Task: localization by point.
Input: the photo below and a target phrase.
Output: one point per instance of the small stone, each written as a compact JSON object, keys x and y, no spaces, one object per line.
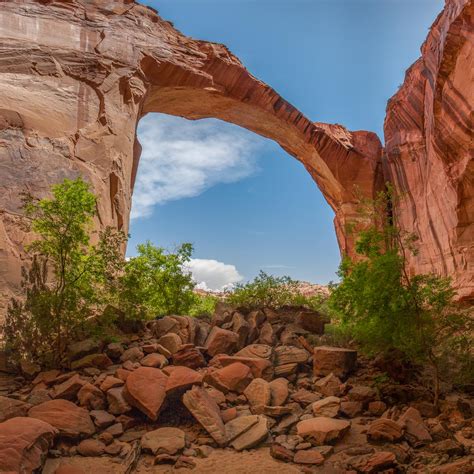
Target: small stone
{"x":323,"y":430}
{"x":384,"y":429}
{"x":117,"y":403}
{"x":258,"y":394}
{"x":281,"y":453}
{"x":326,"y":407}
{"x":101,"y":418}
{"x":115,"y":430}
{"x":134,"y":354}
{"x":154,"y":360}
{"x":171,"y":342}
{"x":91,"y":447}
{"x":309,"y":457}
{"x":164,"y":441}
{"x":377,"y":408}
{"x":110,"y":382}
{"x":279,"y":391}
{"x":253,"y":436}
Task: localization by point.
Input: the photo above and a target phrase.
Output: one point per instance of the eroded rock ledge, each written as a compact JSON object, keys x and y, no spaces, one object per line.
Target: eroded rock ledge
{"x":76,"y":79}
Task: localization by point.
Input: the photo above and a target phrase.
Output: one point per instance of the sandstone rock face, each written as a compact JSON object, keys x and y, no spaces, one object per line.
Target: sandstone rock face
{"x":428,"y":149}
{"x":76,"y":79}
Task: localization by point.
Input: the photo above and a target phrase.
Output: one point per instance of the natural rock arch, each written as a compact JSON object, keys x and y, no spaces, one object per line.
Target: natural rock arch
{"x":75,"y":78}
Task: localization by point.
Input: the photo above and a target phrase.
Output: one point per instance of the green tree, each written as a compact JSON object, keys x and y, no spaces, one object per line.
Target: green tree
{"x":384,"y":307}
{"x":156,"y":282}
{"x":57,"y":306}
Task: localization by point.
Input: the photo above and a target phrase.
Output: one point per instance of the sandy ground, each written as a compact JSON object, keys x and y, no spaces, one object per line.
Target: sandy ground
{"x":220,"y":461}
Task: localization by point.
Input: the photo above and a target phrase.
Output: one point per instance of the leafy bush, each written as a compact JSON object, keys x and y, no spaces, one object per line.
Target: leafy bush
{"x":204,"y":306}
{"x":156,"y":283}
{"x":268,"y":291}
{"x":55,"y":307}
{"x":385,"y":308}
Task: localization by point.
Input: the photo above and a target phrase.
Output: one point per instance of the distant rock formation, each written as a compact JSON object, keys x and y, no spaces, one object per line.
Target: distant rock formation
{"x":76,"y":77}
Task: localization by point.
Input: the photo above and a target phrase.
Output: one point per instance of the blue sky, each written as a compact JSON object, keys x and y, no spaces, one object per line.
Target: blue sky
{"x":241,"y":200}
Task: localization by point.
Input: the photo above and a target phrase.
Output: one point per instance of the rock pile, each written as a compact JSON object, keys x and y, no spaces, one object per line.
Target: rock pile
{"x":184,"y":387}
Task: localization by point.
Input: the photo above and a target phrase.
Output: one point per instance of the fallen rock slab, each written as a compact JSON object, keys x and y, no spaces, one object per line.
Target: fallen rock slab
{"x":204,"y":408}
{"x":323,"y":430}
{"x":164,"y":441}
{"x":70,"y":420}
{"x":24,"y":444}
{"x":253,"y":436}
{"x":240,"y":425}
{"x":145,"y":389}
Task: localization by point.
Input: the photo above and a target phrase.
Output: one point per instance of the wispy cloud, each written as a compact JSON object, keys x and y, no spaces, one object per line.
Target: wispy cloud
{"x":212,"y":274}
{"x":182,"y":159}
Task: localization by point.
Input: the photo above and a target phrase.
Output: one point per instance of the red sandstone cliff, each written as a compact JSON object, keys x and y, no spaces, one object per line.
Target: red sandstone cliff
{"x":76,"y":77}
{"x":429,"y":148}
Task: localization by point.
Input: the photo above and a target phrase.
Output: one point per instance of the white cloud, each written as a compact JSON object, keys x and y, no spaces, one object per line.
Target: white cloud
{"x":183,"y":158}
{"x":213,"y":275}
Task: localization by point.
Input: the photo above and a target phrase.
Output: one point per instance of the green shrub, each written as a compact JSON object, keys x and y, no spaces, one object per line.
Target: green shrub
{"x":204,"y":306}
{"x":55,"y":308}
{"x":268,"y":291}
{"x":156,"y":283}
{"x":385,"y":308}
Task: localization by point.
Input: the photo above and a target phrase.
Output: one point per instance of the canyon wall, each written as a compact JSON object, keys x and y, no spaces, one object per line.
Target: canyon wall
{"x":429,"y":149}
{"x":75,"y":79}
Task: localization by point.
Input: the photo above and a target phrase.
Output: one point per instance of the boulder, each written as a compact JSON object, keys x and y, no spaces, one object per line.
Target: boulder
{"x":262,"y":351}
{"x":11,"y":408}
{"x":79,"y":349}
{"x":154,"y":360}
{"x":239,"y":425}
{"x":258,"y":394}
{"x":267,"y":335}
{"x":328,"y":407}
{"x":91,"y":447}
{"x":69,"y":388}
{"x":279,"y":391}
{"x":145,"y":389}
{"x":330,"y":386}
{"x":261,"y":368}
{"x":384,"y":429}
{"x":164,"y":441}
{"x":91,"y":397}
{"x":221,"y":341}
{"x":134,"y":354}
{"x":326,"y":360}
{"x":312,"y":321}
{"x":24,"y":444}
{"x":118,"y":405}
{"x":362,"y":393}
{"x":241,"y":327}
{"x":415,"y":430}
{"x":114,"y":350}
{"x":323,"y":430}
{"x":70,"y":420}
{"x":351,"y":409}
{"x":251,"y":437}
{"x":101,"y":418}
{"x":232,"y":378}
{"x":171,"y":342}
{"x":181,"y":378}
{"x":204,"y":408}
{"x":111,"y":382}
{"x":101,"y":361}
{"x":189,"y":357}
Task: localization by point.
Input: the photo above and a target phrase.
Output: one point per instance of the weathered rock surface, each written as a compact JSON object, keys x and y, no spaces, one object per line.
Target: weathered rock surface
{"x":24,"y":444}
{"x":428,"y":149}
{"x":94,"y":92}
{"x":145,"y":389}
{"x":323,"y":430}
{"x":71,"y":420}
{"x":164,"y":441}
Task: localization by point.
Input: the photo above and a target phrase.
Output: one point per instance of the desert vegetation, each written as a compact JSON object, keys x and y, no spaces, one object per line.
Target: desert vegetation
{"x":123,"y":338}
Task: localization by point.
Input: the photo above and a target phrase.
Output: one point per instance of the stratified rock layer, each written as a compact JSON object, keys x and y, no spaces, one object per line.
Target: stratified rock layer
{"x":76,"y":77}
{"x":429,"y":149}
